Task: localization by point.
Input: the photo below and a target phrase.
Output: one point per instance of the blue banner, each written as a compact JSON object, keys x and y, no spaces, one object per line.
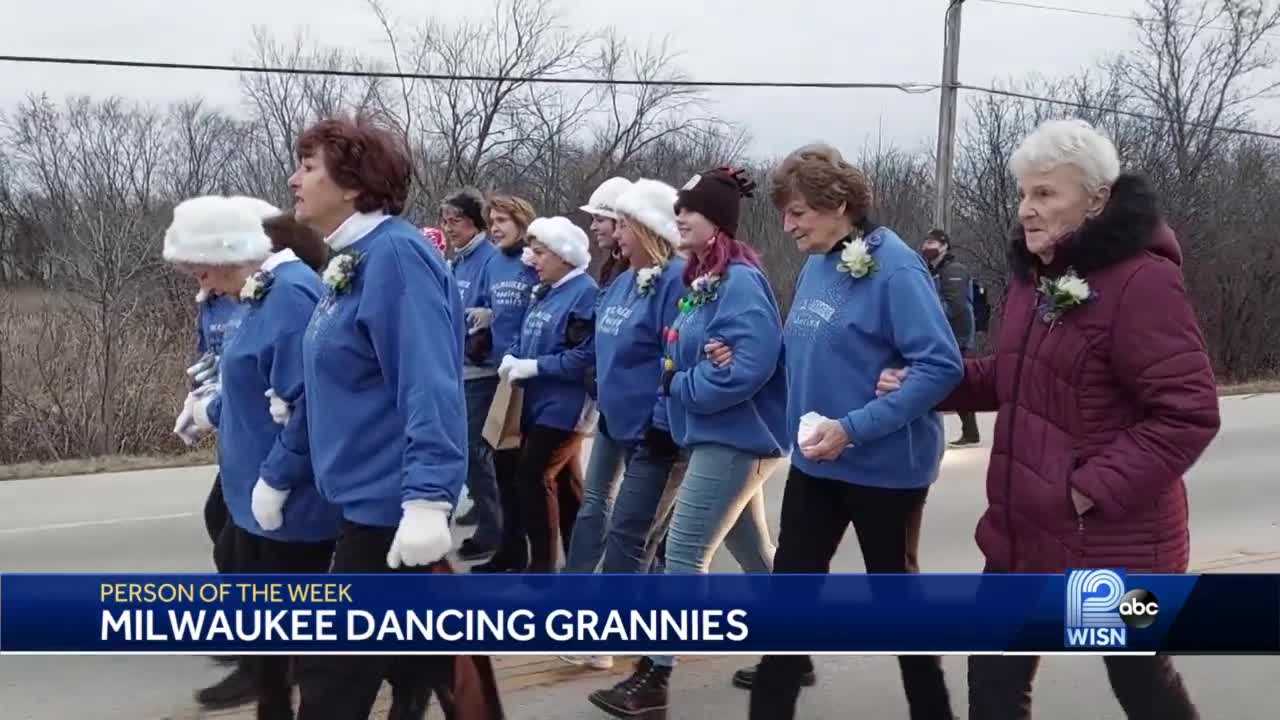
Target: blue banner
{"x":1085,"y":611}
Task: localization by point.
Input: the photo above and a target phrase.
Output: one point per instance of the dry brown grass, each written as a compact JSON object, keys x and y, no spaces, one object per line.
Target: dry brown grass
{"x":109,"y":464}
{"x":1256,"y":387}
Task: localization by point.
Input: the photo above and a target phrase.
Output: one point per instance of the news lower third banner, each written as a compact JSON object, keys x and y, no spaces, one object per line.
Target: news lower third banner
{"x":1090,"y":611}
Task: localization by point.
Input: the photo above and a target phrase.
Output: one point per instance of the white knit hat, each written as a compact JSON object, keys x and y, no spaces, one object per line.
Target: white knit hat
{"x":563,"y":238}
{"x":216,"y":230}
{"x":603,"y":200}
{"x":262,"y":208}
{"x":652,"y":204}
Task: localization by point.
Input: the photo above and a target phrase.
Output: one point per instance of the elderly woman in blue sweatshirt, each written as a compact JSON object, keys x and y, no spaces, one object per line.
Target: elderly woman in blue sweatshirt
{"x":731,"y":419}
{"x":280,"y":523}
{"x":382,"y":360}
{"x":864,"y":301}
{"x":550,"y":363}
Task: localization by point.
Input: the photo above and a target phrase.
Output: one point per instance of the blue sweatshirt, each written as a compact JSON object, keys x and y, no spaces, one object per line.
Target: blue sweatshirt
{"x":629,"y":345}
{"x":509,"y":284}
{"x":383,"y":362}
{"x":744,"y":404}
{"x":841,"y":332}
{"x":266,"y":353}
{"x":555,"y":397}
{"x":218,"y":316}
{"x":471,"y":271}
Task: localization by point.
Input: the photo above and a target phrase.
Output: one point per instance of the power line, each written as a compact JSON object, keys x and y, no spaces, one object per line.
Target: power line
{"x":1112,"y":16}
{"x":1117,"y":111}
{"x":907,"y":87}
{"x":914,"y":88}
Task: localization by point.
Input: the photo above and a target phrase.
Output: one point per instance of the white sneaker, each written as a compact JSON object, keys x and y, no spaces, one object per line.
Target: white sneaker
{"x":595,"y":662}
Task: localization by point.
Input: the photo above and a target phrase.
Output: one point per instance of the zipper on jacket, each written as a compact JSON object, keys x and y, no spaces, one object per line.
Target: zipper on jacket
{"x":1013,"y":415}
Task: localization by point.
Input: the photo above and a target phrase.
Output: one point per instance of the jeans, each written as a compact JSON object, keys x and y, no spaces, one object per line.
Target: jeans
{"x":816,"y":513}
{"x":482,"y":480}
{"x":604,"y":470}
{"x":642,"y":511}
{"x":720,"y":501}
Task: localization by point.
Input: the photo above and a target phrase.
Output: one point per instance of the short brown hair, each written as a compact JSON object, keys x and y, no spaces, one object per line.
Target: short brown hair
{"x":520,"y":210}
{"x":287,"y":233}
{"x":819,"y":175}
{"x":361,"y":156}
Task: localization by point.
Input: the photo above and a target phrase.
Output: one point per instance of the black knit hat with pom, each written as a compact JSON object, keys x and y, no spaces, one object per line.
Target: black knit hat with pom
{"x":717,"y":195}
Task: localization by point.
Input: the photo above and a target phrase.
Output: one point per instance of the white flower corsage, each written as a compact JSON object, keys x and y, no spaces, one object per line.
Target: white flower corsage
{"x":341,"y":272}
{"x":1060,"y":294}
{"x":646,"y":278}
{"x":856,"y":260}
{"x":256,"y":286}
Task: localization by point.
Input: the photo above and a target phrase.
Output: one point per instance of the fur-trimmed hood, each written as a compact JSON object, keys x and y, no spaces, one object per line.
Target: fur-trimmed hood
{"x":1129,"y":224}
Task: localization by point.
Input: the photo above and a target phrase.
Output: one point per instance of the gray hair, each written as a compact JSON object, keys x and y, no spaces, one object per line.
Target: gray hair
{"x":1068,"y":142}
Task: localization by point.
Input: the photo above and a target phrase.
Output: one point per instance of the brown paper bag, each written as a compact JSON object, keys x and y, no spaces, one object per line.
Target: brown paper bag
{"x":502,"y":425}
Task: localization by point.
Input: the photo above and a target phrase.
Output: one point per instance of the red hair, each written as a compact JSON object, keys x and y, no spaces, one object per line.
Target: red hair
{"x":724,"y":251}
{"x":361,"y":156}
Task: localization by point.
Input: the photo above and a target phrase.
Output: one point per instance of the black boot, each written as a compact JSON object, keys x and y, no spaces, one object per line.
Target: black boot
{"x":643,"y":695}
{"x":746,"y":678}
{"x":238,"y":688}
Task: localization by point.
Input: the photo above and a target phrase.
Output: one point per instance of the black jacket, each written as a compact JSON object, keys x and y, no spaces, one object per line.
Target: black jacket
{"x":954,"y":282}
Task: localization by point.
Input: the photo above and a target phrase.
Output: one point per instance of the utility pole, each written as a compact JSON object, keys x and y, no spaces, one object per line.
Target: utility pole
{"x":947,"y":116}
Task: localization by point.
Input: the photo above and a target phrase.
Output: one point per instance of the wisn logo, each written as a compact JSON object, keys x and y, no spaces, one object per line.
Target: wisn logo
{"x":1099,"y":611}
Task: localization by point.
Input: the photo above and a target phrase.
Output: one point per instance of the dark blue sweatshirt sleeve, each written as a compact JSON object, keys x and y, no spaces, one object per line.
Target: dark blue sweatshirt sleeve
{"x":419,"y":347}
{"x":572,"y":363}
{"x":923,"y":337}
{"x":214,"y":410}
{"x":288,"y":465}
{"x":747,"y":321}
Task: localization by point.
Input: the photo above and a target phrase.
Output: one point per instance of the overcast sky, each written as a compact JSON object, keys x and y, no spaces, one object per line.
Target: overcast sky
{"x":787,"y":40}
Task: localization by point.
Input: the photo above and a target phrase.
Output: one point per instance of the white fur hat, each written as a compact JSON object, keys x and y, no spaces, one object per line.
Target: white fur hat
{"x":563,"y":238}
{"x":604,"y":200}
{"x":262,"y":208}
{"x":652,"y":204}
{"x":216,"y":230}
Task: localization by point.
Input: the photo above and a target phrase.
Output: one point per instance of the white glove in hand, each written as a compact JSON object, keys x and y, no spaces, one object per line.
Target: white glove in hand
{"x":205,"y":370}
{"x":200,"y":400}
{"x":423,"y":535}
{"x":185,"y":427}
{"x":279,"y":409}
{"x":478,"y":318}
{"x":523,"y":370}
{"x":808,"y":424}
{"x":268,"y":505}
{"x":504,"y":369}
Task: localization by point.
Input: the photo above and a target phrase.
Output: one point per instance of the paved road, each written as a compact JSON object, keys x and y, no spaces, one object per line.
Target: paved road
{"x":150,"y":521}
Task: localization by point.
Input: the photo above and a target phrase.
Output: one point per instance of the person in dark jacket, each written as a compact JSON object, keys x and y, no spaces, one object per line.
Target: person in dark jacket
{"x":955,"y":288}
{"x":1088,"y":473}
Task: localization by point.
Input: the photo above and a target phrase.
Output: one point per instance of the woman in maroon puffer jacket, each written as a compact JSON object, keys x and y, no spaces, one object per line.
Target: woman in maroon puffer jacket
{"x":1104,"y":396}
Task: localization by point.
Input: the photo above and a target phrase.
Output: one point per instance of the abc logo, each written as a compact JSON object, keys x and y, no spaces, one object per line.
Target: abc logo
{"x":1138,"y":608}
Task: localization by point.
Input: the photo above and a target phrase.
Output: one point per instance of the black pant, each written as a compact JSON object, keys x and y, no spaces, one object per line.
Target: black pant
{"x":513,"y":550}
{"x":815,"y":514}
{"x":968,"y":420}
{"x":1147,"y":687}
{"x":549,"y":479}
{"x":256,"y":554}
{"x":345,"y":687}
{"x":220,"y":528}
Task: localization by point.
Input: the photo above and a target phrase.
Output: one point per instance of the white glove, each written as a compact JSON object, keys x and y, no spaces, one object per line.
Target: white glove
{"x":185,"y":425}
{"x":279,"y":409}
{"x":504,"y":369}
{"x":267,"y":505}
{"x":809,"y":423}
{"x":478,"y":318}
{"x":205,"y":370}
{"x":423,"y":535}
{"x":523,"y":370}
{"x":200,"y":400}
